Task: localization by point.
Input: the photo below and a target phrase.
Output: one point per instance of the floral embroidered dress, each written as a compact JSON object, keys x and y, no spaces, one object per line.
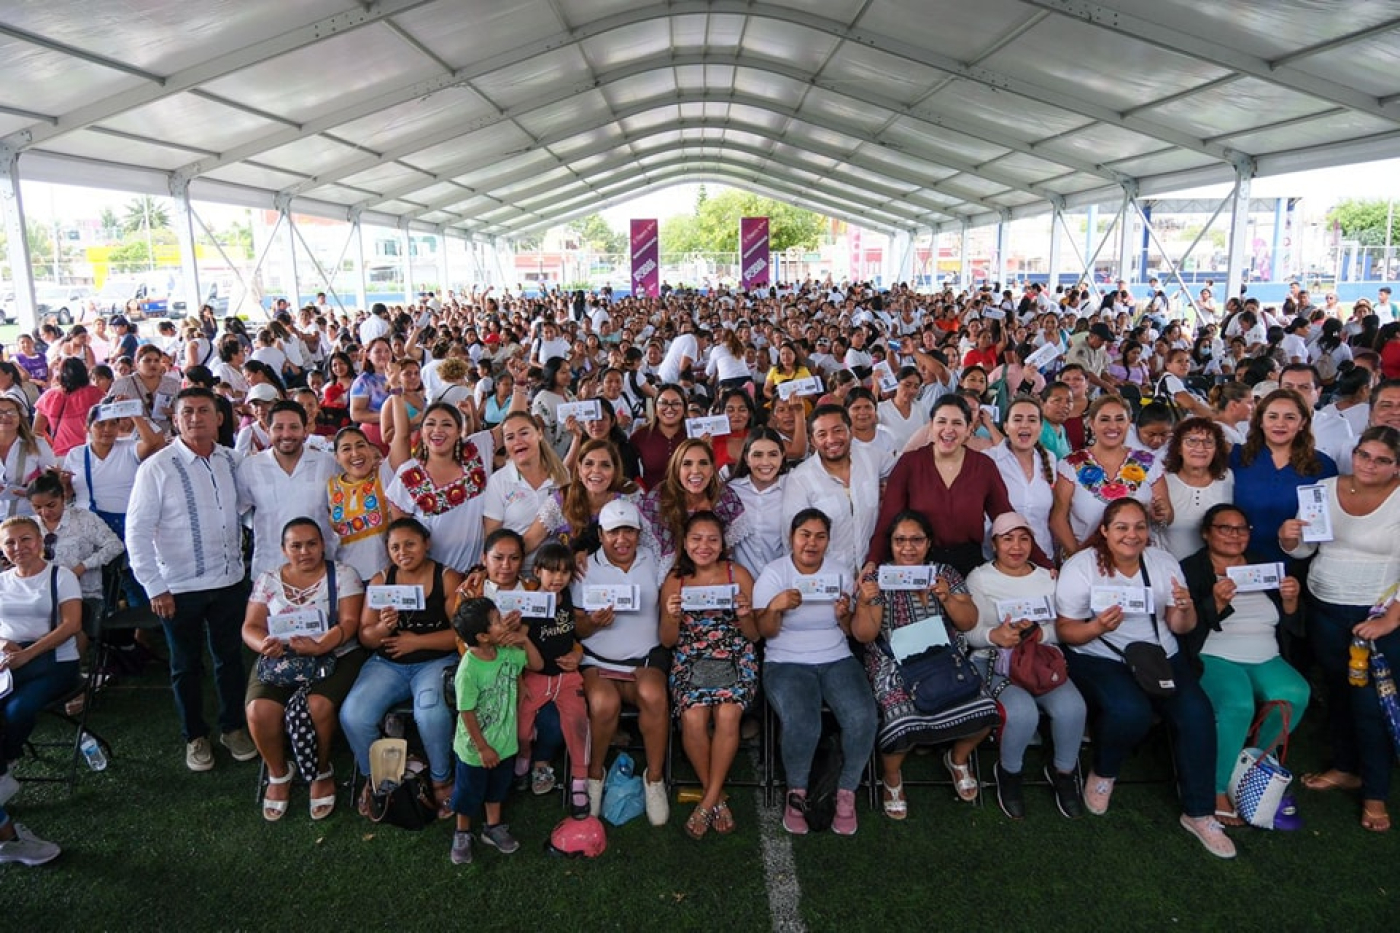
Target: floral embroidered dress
{"x":712,"y":662}
{"x":452,"y":512}
{"x":1094,"y":489}
{"x":359,"y":513}
{"x":903,"y":725}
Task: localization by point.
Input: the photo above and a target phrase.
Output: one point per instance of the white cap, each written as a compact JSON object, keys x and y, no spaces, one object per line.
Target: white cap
{"x":262,"y":392}
{"x":619,"y":513}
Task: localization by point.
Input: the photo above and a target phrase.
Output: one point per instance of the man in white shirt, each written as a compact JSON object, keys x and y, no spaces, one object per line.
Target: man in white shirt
{"x":680,"y":355}
{"x":185,"y":545}
{"x":1332,"y":434}
{"x":376,"y":325}
{"x":843,"y":483}
{"x":286,"y":481}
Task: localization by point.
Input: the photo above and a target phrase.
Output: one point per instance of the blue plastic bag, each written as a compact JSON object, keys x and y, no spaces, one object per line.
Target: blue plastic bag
{"x":623,"y":795}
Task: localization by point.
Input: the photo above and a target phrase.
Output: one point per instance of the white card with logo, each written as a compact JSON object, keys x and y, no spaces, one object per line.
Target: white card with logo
{"x":162,"y":404}
{"x":1032,"y":608}
{"x":622,"y":597}
{"x":708,"y":598}
{"x":809,"y":386}
{"x":1254,"y":578}
{"x":994,"y":314}
{"x":400,"y":597}
{"x":1135,"y":600}
{"x":285,"y":626}
{"x":587,"y":410}
{"x":531,"y":605}
{"x":884,"y":376}
{"x":713,"y":425}
{"x":992,"y":412}
{"x":918,"y":577}
{"x":1043,"y":356}
{"x":131,"y":408}
{"x":1314,"y":510}
{"x":819,"y":587}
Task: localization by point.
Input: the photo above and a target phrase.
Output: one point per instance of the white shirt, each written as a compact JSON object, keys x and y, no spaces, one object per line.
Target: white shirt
{"x":1080,"y":574}
{"x":810,"y":633}
{"x":372,"y":328}
{"x":632,"y":634}
{"x":226,"y":372}
{"x":1031,"y":498}
{"x":987,"y":585}
{"x":900,"y":427}
{"x":513,"y":502}
{"x":182,"y":530}
{"x":852,"y":509}
{"x":882,"y":446}
{"x":457,"y":534}
{"x":28,"y":603}
{"x":549,"y":349}
{"x":1333,"y":436}
{"x":112,"y":476}
{"x":683,"y":346}
{"x":277,"y":497}
{"x":724,"y":365}
{"x":764,"y":508}
{"x":251,"y":440}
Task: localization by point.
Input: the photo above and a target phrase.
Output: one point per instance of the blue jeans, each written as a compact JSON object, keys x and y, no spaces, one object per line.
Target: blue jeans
{"x":36,"y":685}
{"x":383,"y":684}
{"x":213,"y":617}
{"x":1123,"y":716}
{"x":1361,"y":742}
{"x":797,"y":692}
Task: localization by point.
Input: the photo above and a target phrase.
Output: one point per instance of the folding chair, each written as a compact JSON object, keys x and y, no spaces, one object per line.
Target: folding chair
{"x":84,"y":689}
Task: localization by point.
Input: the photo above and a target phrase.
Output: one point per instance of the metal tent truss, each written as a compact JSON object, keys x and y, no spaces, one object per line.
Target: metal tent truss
{"x":485,"y":121}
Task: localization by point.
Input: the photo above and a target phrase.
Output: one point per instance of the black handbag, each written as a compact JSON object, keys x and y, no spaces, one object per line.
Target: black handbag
{"x":406,"y":805}
{"x":940,"y":678}
{"x":1148,"y":660}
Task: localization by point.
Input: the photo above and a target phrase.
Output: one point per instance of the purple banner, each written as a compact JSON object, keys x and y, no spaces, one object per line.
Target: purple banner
{"x":646,"y":258}
{"x":753,"y":252}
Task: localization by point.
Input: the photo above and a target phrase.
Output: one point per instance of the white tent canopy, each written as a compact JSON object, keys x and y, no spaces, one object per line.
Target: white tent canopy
{"x":488,"y":119}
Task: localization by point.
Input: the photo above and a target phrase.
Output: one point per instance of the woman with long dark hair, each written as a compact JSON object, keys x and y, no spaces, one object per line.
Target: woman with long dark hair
{"x":61,"y":413}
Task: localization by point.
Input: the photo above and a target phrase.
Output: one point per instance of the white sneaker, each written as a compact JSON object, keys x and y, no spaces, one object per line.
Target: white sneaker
{"x":27,"y":848}
{"x":595,"y":797}
{"x":199,"y":756}
{"x":658,"y":807}
{"x":9,"y":786}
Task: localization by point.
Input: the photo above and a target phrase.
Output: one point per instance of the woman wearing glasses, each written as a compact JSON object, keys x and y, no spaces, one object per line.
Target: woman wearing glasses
{"x":1236,"y":644}
{"x":1351,"y":573}
{"x":1197,"y":477}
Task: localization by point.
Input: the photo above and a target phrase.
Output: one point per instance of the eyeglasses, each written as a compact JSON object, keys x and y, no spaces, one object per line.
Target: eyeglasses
{"x":7,"y":414}
{"x":1364,"y":457}
{"x":670,"y":404}
{"x":50,"y":540}
{"x":1198,"y":442}
{"x":912,"y":541}
{"x":1236,"y":530}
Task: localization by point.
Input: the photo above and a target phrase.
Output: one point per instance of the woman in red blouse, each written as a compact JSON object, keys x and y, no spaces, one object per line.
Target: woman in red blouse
{"x":955,"y":488}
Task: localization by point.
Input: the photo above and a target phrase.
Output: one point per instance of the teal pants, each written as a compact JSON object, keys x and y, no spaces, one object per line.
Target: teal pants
{"x":1235,"y":690}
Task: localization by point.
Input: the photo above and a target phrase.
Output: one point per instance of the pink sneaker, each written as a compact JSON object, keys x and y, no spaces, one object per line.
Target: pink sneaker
{"x":844,"y":823}
{"x":1211,"y":834}
{"x":1097,"y":792}
{"x":794,"y":817}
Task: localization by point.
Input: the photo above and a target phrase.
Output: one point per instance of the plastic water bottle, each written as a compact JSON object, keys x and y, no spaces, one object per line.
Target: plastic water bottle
{"x":92,"y":751}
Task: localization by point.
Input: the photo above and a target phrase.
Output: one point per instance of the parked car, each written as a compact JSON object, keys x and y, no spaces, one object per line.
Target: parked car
{"x":64,"y":302}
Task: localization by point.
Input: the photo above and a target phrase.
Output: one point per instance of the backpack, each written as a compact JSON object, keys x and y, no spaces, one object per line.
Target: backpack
{"x":820,"y":808}
{"x":1326,"y":366}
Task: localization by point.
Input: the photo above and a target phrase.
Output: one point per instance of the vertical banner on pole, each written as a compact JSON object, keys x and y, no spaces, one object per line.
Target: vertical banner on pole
{"x":857,"y":256}
{"x":646,"y":263}
{"x":753,"y":252}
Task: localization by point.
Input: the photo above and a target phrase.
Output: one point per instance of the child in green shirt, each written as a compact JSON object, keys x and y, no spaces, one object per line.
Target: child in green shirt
{"x":485,"y":743}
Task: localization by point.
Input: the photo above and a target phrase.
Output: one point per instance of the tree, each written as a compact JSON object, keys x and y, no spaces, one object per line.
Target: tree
{"x":714,"y":228}
{"x":144,"y":213}
{"x":596,"y":232}
{"x":1361,"y":219}
{"x":111,"y":226}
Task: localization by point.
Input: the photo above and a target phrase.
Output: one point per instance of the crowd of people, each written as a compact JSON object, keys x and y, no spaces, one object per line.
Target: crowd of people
{"x":856,"y":506}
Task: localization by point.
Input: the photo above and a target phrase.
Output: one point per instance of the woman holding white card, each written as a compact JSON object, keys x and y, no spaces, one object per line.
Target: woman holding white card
{"x":880,"y":613}
{"x":808,"y":662}
{"x":1350,"y":574}
{"x":411,"y":650}
{"x":1116,"y":567}
{"x":758,"y":482}
{"x":1236,"y":643}
{"x":545,"y":405}
{"x":302,"y":585}
{"x":714,"y":668}
{"x":1011,"y":578}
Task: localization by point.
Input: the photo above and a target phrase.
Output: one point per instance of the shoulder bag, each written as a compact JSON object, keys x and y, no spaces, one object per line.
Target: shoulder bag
{"x":1147,"y":660}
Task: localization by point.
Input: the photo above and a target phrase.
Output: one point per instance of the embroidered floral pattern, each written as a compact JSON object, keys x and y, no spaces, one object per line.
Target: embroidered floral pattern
{"x":432,"y":499}
{"x":1095,"y":479}
{"x":357,"y":508}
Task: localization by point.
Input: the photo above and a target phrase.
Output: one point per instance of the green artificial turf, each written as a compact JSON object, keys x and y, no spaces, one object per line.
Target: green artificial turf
{"x":150,"y":846}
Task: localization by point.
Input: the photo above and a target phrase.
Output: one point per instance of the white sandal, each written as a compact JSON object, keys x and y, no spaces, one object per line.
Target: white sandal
{"x":324,"y":804}
{"x":274,"y":810}
{"x":896,"y":807}
{"x":964,"y":784}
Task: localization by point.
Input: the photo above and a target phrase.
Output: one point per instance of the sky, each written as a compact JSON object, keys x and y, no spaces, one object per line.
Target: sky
{"x":1320,"y":188}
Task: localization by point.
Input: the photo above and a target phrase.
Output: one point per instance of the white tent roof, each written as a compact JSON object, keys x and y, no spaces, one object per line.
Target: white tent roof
{"x":493,"y":119}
